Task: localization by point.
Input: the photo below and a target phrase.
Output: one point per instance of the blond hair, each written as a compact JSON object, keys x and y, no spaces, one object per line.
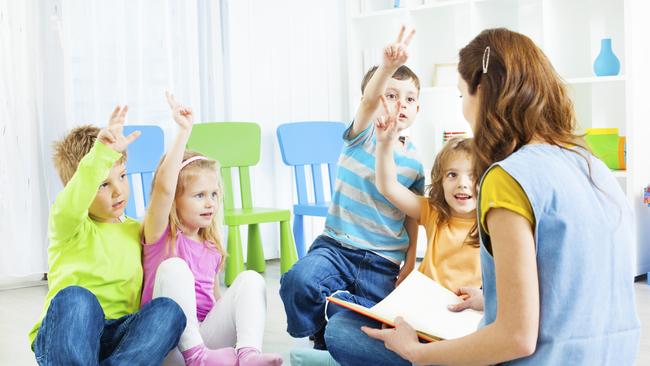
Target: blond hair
{"x":435,"y":191}
{"x":211,"y":235}
{"x":69,"y":151}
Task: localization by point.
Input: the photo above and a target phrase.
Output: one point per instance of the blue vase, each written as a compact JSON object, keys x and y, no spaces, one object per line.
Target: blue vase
{"x":606,"y":64}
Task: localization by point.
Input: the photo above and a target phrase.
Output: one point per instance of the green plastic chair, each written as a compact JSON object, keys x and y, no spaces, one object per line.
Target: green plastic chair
{"x":237,"y":145}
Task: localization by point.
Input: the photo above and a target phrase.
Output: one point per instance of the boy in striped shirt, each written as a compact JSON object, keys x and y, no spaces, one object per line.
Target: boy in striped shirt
{"x":366,"y":238}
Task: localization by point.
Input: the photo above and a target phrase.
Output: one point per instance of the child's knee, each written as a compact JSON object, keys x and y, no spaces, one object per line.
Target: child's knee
{"x":309,"y":279}
{"x":175,"y":269}
{"x":293,"y":282}
{"x":252,"y":280}
{"x":169,"y":312}
{"x":78,"y":300}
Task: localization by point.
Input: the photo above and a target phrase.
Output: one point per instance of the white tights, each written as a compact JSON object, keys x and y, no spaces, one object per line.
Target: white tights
{"x":236,"y":320}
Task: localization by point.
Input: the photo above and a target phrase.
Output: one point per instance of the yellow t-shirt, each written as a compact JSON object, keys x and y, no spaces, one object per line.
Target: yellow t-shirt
{"x":449,"y":260}
{"x":500,"y":190}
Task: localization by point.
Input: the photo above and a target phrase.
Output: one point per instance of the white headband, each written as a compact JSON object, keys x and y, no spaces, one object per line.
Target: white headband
{"x":194,"y":158}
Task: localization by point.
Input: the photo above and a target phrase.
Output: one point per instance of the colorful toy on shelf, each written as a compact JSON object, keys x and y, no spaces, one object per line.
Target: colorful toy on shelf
{"x":447,"y":135}
{"x":608,"y":146}
{"x":646,"y":198}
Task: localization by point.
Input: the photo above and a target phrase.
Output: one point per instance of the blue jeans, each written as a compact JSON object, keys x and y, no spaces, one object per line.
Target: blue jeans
{"x":329,"y":267}
{"x":352,"y":347}
{"x":74,"y":332}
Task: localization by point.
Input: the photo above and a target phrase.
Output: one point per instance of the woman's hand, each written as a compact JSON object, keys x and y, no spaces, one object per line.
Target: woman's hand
{"x":402,"y":339}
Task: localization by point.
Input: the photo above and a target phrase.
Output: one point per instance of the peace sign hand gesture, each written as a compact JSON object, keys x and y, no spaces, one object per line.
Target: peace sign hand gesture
{"x":396,"y":54}
{"x":387,"y":126}
{"x":113,"y":135}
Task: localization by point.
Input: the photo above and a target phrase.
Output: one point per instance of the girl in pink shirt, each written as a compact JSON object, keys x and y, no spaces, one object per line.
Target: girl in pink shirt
{"x":183,"y":255}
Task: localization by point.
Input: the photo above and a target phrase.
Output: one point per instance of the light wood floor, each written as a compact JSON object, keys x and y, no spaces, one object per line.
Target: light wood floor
{"x":20,"y":308}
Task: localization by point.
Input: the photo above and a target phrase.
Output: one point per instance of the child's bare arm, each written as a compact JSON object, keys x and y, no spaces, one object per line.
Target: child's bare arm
{"x":217,"y":288}
{"x":395,"y":55}
{"x":164,"y":190}
{"x":411,"y":226}
{"x":385,"y":170}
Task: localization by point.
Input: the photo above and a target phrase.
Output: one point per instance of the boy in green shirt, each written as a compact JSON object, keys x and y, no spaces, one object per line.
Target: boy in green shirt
{"x":95,"y":278}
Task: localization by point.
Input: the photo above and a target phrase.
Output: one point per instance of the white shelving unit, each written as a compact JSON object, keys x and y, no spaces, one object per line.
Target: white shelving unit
{"x":569,"y":32}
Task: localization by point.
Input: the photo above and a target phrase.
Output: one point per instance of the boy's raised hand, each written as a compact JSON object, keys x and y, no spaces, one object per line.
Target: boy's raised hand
{"x":182,"y":115}
{"x":396,"y":54}
{"x":113,"y":135}
{"x":387,"y":126}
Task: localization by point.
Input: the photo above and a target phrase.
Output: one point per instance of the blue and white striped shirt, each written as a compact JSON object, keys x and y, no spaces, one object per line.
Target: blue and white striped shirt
{"x":359,"y":216}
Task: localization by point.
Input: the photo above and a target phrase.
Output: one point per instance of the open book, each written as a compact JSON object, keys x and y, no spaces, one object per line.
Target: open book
{"x":422,"y":302}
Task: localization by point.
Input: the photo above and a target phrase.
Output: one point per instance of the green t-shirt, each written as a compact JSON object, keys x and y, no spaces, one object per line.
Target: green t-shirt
{"x":103,"y":258}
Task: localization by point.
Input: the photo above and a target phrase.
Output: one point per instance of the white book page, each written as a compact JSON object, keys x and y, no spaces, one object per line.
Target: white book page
{"x":423,"y":302}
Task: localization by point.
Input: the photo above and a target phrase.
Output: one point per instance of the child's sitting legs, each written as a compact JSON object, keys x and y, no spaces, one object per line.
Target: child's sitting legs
{"x":329,"y":267}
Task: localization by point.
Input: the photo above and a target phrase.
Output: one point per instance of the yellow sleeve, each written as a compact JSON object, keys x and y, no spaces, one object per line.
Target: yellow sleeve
{"x":500,"y":190}
{"x":428,"y":214}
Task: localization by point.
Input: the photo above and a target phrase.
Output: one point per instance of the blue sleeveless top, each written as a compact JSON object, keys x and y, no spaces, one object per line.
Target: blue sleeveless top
{"x":584,"y":245}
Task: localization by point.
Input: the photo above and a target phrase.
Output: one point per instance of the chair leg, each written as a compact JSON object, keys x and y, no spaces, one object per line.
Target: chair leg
{"x":288,"y":255}
{"x":235,"y":258}
{"x":299,"y":234}
{"x":255,"y":256}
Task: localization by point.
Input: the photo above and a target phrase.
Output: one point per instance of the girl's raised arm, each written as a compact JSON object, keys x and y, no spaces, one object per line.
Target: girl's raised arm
{"x":164,"y":188}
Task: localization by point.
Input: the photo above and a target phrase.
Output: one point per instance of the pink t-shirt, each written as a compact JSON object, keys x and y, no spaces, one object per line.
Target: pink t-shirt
{"x":203,"y":262}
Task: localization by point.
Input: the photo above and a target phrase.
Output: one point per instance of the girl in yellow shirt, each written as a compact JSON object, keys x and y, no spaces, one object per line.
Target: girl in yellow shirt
{"x":448,"y":212}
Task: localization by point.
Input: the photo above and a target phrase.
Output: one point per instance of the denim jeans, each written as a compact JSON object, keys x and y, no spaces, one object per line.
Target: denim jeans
{"x":74,"y":332}
{"x":329,"y":267}
{"x":350,"y":346}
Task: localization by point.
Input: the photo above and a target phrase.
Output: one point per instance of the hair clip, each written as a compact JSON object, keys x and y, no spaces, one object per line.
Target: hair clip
{"x":486,"y":59}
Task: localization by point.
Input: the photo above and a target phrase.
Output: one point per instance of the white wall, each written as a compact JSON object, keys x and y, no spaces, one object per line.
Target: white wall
{"x":23,"y":208}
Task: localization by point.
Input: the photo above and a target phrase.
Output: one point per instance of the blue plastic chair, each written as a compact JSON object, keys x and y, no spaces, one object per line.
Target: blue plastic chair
{"x":143,"y":157}
{"x":310,"y":143}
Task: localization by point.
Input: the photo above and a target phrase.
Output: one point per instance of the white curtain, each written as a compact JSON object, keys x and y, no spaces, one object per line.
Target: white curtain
{"x":69,"y":62}
{"x":130,"y":52}
{"x":23,"y":216}
{"x":287,"y":63}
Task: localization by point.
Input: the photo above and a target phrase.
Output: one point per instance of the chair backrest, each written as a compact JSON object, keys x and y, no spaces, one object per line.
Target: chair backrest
{"x":311,"y":143}
{"x":234,"y":145}
{"x":143,"y":157}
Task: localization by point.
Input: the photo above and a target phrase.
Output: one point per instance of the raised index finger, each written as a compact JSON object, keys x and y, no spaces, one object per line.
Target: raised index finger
{"x":118,"y":116}
{"x":123,"y":113}
{"x":114,"y":115}
{"x":385,"y":105}
{"x":171,"y":100}
{"x":409,"y":37}
{"x":401,"y":34}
